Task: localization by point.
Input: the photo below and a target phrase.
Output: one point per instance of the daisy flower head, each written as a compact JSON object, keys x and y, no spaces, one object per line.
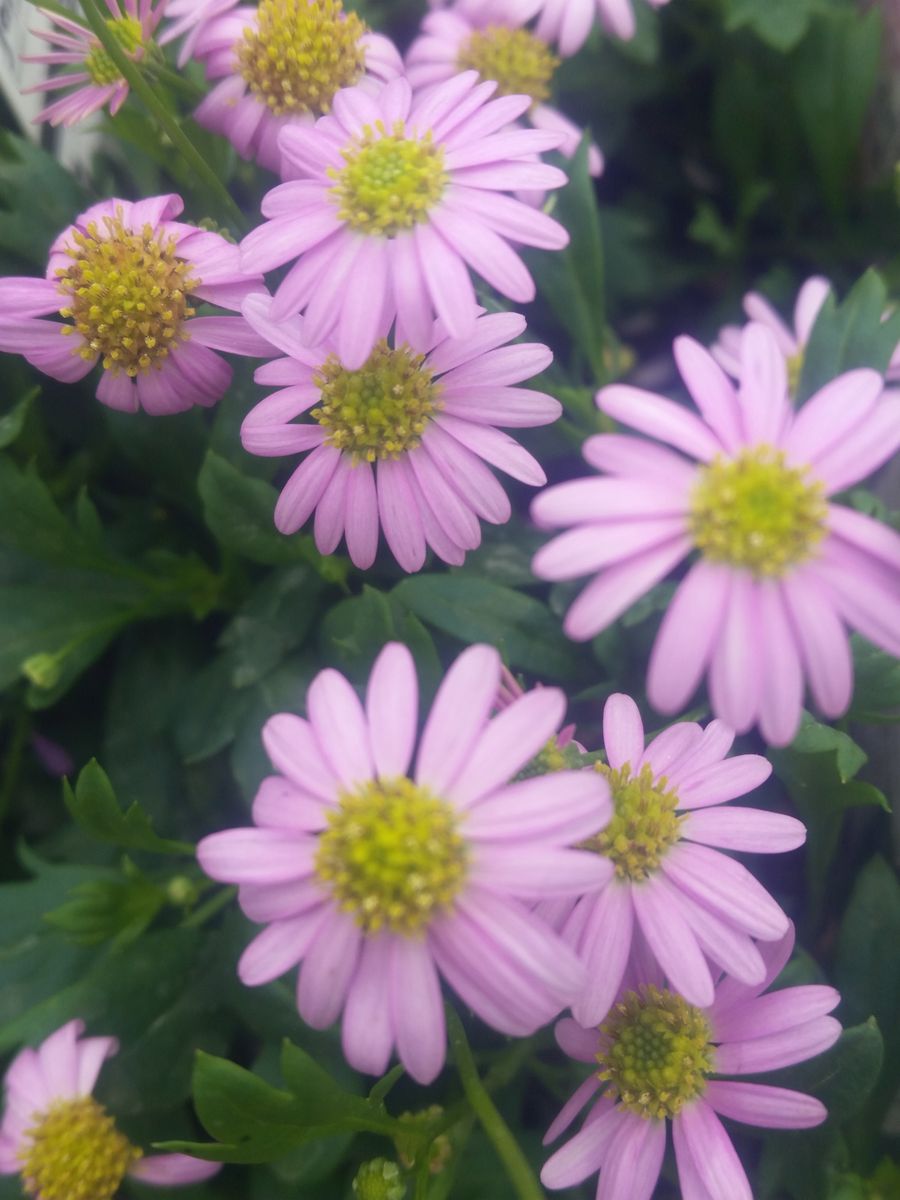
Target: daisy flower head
{"x":394,"y":200}
{"x":405,"y":441}
{"x":96,"y":79}
{"x":124,"y":278}
{"x":280,"y":63}
{"x":668,"y":885}
{"x":515,"y":58}
{"x":381,"y":878}
{"x":782,"y":572}
{"x":660,"y":1060}
{"x":792,"y":339}
{"x":61,"y":1140}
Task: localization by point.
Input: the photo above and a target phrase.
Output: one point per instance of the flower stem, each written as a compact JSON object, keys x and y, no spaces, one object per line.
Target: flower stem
{"x":508,"y":1150}
{"x":142,"y":88}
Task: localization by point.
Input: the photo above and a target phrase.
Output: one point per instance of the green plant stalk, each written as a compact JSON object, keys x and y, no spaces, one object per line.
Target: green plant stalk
{"x":131,"y":72}
{"x":508,"y":1150}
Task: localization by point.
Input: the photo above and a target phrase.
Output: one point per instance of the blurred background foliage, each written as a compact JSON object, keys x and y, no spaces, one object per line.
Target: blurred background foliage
{"x":151,"y":618}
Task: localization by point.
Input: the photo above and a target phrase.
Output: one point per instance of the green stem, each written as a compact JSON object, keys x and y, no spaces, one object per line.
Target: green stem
{"x":142,"y":88}
{"x":508,"y":1150}
{"x":202,"y":914}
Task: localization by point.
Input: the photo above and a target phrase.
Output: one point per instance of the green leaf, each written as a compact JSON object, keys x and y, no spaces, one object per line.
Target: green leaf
{"x":26,"y":172}
{"x":475,"y":610}
{"x":272,"y":623}
{"x":94,"y":806}
{"x":239,"y":511}
{"x":572,"y":280}
{"x":876,"y":692}
{"x":117,"y":910}
{"x":852,"y":334}
{"x":13,"y":421}
{"x":834,"y":72}
{"x":779,"y":23}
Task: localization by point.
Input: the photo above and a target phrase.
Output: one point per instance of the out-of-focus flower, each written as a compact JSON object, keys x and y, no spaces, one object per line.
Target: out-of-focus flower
{"x":281,"y":64}
{"x":689,"y":902}
{"x":61,"y":1141}
{"x":567,"y":22}
{"x":791,"y":340}
{"x":516,"y":59}
{"x":380,"y":880}
{"x":402,"y":442}
{"x":96,"y":80}
{"x":124,"y":278}
{"x":654,"y":1059}
{"x":189,"y":18}
{"x":781,"y":574}
{"x":395,"y":199}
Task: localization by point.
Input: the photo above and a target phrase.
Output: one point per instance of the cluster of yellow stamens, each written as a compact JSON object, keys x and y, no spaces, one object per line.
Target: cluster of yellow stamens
{"x":392,"y":856}
{"x":389,"y":182}
{"x":755,"y":512}
{"x":644,"y":825}
{"x":128,"y":295}
{"x":129,"y":33}
{"x":380,"y":410}
{"x":301,"y":53}
{"x":75,"y":1152}
{"x":655,"y":1052}
{"x":520,"y":63}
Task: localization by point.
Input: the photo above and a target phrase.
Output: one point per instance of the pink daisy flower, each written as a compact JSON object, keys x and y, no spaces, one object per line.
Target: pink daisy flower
{"x":403,"y":196}
{"x":123,"y":278}
{"x":404,"y":441}
{"x":280,"y":64}
{"x":791,"y":339}
{"x":661,"y":1060}
{"x":517,"y":60}
{"x":97,"y":81}
{"x":665,"y":880}
{"x":782,"y":573}
{"x":381,"y":879}
{"x":61,"y":1141}
{"x":567,"y":22}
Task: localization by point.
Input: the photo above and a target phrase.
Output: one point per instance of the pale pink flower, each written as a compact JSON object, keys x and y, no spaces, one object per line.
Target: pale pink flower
{"x":381,"y":879}
{"x":742,"y":1032}
{"x":782,"y":574}
{"x":666,"y":882}
{"x":791,"y":339}
{"x":567,"y":22}
{"x":123,"y":278}
{"x":451,"y":42}
{"x":96,"y":80}
{"x":405,"y":442}
{"x":399,"y":198}
{"x":52,"y":1124}
{"x":256,"y":97}
{"x":189,"y":18}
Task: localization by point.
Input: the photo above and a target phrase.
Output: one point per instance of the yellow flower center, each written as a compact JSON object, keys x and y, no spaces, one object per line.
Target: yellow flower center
{"x":74,"y":1152}
{"x":380,"y":410}
{"x":128,"y":295}
{"x":392,"y":855}
{"x":389,"y":182}
{"x":519,"y":63}
{"x":655,"y":1052}
{"x":755,"y":512}
{"x":301,"y":53}
{"x":129,"y":33}
{"x":644,"y":825}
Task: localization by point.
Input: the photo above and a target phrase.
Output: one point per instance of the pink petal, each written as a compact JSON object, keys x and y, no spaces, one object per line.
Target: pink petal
{"x":576,"y":1041}
{"x":417,"y":1010}
{"x":827,"y":418}
{"x":673,"y":944}
{"x":339,"y":725}
{"x":726,"y":888}
{"x":772,"y":1051}
{"x":588,"y":549}
{"x":392,"y":704}
{"x":400,"y":517}
{"x":572,"y":1108}
{"x":633,"y":1159}
{"x":540,"y":871}
{"x":866,"y":596}
{"x":496,"y":448}
{"x":362,"y":308}
{"x":278,"y":948}
{"x":361,"y":516}
{"x":732,"y":950}
{"x":458,"y":716}
{"x":583,"y":1154}
{"x":711,"y":390}
{"x":172,"y":1170}
{"x":614,"y":591}
{"x":598,"y":501}
{"x":293,"y":750}
{"x":447,"y":281}
{"x":764,"y":1106}
{"x":865,"y":534}
{"x":622,"y":454}
{"x":256,"y":855}
{"x":823,"y":643}
{"x":809,"y":303}
{"x":507,"y":743}
{"x":367,"y":1029}
{"x":305,"y":488}
{"x":763,"y":385}
{"x":735,"y":678}
{"x":604,"y":950}
{"x":690,"y":629}
{"x":92,"y":1054}
{"x":781,"y":704}
{"x":327,"y":970}
{"x":715,"y":1161}
{"x":558,"y":809}
{"x":716,"y":783}
{"x":659,"y":418}
{"x":776,"y":1012}
{"x":864,"y":450}
{"x":623,"y":731}
{"x":278,"y":804}
{"x":750,"y":829}
{"x":58,"y":1060}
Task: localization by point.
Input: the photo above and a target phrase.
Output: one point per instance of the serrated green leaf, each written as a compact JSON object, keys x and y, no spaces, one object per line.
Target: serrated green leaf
{"x":94,"y":806}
